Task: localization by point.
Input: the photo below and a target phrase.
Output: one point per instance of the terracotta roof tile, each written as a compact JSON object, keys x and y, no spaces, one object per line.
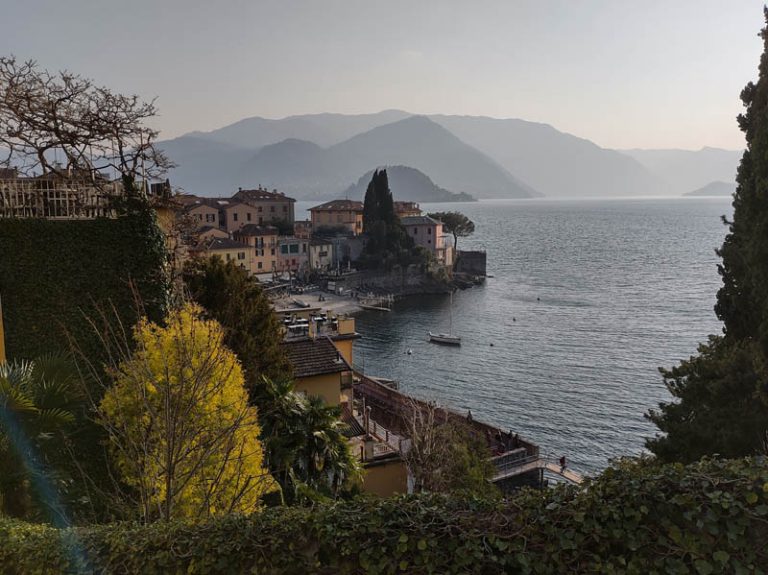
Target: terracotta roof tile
{"x":314,"y":357}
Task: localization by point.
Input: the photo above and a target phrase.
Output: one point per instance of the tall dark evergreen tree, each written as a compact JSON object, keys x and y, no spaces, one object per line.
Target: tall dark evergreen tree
{"x":723,"y":392}
{"x":239,"y":304}
{"x":387,"y":240}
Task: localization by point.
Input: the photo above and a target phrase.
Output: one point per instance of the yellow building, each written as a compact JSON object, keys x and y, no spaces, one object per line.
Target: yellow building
{"x":228,"y":250}
{"x":347,"y":214}
{"x":260,"y":207}
{"x":319,"y":369}
{"x":263,"y":239}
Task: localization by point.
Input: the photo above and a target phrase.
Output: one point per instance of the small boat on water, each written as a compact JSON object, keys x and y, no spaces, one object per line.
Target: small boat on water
{"x":446,"y":338}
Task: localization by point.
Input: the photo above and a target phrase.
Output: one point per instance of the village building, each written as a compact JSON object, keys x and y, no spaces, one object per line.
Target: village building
{"x":344,"y":215}
{"x":406,"y":209}
{"x":321,"y":356}
{"x":208,"y":232}
{"x":302,"y":229}
{"x":203,"y":212}
{"x":261,"y":206}
{"x":428,"y":233}
{"x":320,"y":255}
{"x":292,"y":254}
{"x":227,"y":249}
{"x":263,"y":239}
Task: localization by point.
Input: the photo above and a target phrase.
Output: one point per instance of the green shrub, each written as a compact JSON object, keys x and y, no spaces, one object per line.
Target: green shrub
{"x":637,"y":517}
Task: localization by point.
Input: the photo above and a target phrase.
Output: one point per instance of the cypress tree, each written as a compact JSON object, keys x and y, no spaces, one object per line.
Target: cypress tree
{"x":723,"y":392}
{"x":387,"y":239}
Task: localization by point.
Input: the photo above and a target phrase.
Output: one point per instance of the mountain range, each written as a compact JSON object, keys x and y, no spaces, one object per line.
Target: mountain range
{"x":714,"y":189}
{"x":319,"y":156}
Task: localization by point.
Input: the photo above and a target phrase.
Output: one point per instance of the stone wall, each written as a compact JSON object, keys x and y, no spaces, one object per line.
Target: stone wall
{"x":470,"y":262}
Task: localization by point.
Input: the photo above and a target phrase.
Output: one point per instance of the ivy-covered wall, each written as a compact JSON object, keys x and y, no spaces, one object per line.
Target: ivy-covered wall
{"x":637,"y":518}
{"x":55,"y":274}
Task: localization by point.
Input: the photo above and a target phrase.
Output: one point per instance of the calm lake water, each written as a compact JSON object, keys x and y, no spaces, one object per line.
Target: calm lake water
{"x":589,"y":298}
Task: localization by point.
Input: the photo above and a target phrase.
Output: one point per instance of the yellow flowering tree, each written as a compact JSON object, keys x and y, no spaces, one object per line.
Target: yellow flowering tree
{"x":182,"y":434}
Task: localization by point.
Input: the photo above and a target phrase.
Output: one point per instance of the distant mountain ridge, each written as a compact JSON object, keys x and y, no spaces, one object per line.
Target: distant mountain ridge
{"x":685,"y":170}
{"x":407,"y":184}
{"x":553,"y":162}
{"x":317,"y":156}
{"x":714,"y":189}
{"x":307,"y":170}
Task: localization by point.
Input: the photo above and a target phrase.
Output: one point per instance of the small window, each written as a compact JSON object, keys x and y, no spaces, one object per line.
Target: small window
{"x":258,"y":265}
{"x":199,"y":217}
{"x":285,"y":208}
{"x":228,"y":257}
{"x":429,"y":241}
{"x":210,"y":217}
{"x":261,"y":220}
{"x":248,"y":216}
{"x":272,"y":251}
{"x":241,"y":255}
{"x":272,"y":209}
{"x":429,"y":231}
{"x":234,"y":217}
{"x":294,"y":248}
{"x":303,"y":248}
{"x":284,"y":249}
{"x":415,"y":231}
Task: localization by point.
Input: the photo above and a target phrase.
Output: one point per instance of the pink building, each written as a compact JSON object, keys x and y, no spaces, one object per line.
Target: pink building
{"x":428,"y":232}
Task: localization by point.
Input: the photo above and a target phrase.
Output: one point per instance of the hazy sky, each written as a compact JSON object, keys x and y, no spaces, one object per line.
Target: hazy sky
{"x":649,"y":73}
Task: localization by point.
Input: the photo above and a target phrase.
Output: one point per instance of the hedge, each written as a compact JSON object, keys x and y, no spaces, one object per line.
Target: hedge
{"x":55,"y":273}
{"x":637,"y":517}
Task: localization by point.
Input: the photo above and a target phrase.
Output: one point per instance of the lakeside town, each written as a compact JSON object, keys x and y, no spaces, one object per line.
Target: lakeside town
{"x":308,"y":269}
{"x":197,"y":378}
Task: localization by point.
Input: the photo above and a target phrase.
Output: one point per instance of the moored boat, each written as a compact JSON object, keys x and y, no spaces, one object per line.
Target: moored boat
{"x":446,"y":338}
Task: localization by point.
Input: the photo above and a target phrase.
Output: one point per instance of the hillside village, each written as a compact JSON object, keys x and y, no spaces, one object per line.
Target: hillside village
{"x":256,"y":230}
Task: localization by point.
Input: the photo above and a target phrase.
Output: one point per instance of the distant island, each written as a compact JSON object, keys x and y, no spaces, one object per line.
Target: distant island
{"x":409,"y":184}
{"x":717,"y":188}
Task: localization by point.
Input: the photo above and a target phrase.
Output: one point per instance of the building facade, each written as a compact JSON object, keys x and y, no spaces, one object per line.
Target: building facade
{"x":338,"y":214}
{"x":263,"y":239}
{"x":320,"y":255}
{"x":228,"y":250}
{"x":292,"y":255}
{"x":428,"y":233}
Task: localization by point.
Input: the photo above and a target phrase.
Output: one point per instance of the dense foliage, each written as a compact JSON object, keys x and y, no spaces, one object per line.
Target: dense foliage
{"x":54,"y":275}
{"x":637,"y":517}
{"x":182,"y":433}
{"x":388,"y":243}
{"x":722,"y":393}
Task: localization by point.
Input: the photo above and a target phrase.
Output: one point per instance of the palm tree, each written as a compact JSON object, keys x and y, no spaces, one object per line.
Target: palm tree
{"x":326,"y":458}
{"x":38,"y":402}
{"x":306,"y":448}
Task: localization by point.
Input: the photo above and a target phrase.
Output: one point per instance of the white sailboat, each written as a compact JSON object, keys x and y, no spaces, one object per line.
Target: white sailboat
{"x":446,"y":338}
